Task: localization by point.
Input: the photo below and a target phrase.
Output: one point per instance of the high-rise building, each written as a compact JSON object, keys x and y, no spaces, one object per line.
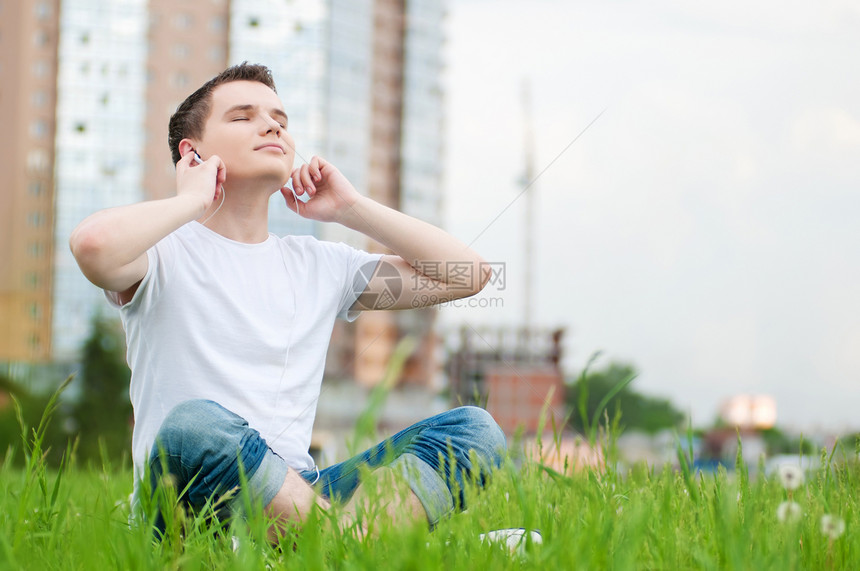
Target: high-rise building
{"x":361,"y":82}
{"x":99,"y":142}
{"x":28,"y":96}
{"x":188,"y":44}
{"x":405,"y":163}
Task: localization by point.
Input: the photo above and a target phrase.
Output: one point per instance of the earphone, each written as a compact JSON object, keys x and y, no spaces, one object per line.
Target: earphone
{"x":199,"y":161}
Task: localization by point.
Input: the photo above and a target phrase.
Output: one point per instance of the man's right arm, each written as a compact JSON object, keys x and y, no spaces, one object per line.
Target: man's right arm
{"x":110,"y":246}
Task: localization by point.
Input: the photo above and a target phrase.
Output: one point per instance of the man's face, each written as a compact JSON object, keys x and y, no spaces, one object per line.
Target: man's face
{"x":247,"y":128}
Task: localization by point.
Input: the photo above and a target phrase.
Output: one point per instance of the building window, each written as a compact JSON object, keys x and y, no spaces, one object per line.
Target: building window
{"x":42,"y":10}
{"x":38,"y":161}
{"x":33,"y":280}
{"x":216,"y":24}
{"x":253,"y":22}
{"x":182,"y":21}
{"x":40,"y":38}
{"x":216,"y":54}
{"x":35,"y":311}
{"x":38,"y":129}
{"x":35,"y":250}
{"x":35,"y":341}
{"x":34,"y":188}
{"x":109,"y":170}
{"x":35,"y":219}
{"x":80,"y":127}
{"x":180,"y":51}
{"x":179,"y":80}
{"x":38,"y":98}
{"x":40,"y":69}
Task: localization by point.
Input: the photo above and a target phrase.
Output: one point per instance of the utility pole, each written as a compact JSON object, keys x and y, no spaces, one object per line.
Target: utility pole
{"x":528,"y":229}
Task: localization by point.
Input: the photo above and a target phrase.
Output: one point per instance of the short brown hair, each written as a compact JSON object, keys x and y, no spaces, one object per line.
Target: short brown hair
{"x":190,"y":117}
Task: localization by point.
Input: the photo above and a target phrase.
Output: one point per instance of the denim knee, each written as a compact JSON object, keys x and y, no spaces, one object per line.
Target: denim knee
{"x":203,"y":445}
{"x":186,"y":416}
{"x":485,"y":436}
{"x":475,"y":443}
{"x":189,"y":424}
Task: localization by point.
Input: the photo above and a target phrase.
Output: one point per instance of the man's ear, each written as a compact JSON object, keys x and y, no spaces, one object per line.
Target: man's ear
{"x":186,"y":146}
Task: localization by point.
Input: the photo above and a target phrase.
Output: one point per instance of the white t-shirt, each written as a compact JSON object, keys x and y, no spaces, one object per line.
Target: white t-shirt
{"x":244,"y":325}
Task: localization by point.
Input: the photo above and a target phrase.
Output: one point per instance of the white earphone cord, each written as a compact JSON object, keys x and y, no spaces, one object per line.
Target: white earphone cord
{"x":223,"y":198}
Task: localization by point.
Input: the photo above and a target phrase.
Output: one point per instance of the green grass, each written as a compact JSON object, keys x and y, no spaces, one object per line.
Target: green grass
{"x":78,"y":518}
{"x":645,"y":520}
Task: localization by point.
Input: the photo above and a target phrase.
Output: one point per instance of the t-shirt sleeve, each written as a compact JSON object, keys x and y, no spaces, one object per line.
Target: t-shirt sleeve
{"x":151,"y":283}
{"x":358,"y":266}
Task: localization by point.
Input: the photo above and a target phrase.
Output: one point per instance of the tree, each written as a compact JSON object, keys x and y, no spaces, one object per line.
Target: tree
{"x":103,"y":411}
{"x":778,"y":442}
{"x":638,"y":411}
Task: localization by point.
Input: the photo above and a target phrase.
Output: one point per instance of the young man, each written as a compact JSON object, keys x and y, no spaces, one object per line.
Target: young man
{"x":228,"y":325}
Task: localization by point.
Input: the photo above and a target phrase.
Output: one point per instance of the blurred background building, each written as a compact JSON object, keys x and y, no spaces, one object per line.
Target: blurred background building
{"x":86,"y":90}
{"x":28,"y":97}
{"x":515,"y":373}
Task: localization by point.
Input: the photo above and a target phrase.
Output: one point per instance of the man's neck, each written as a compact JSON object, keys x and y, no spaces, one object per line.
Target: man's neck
{"x":243,"y":216}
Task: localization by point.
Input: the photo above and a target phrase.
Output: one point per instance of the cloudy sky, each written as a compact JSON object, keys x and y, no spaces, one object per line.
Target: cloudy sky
{"x":705,"y":227}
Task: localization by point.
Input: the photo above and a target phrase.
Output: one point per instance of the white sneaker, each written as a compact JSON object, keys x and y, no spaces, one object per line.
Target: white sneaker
{"x":514,"y":539}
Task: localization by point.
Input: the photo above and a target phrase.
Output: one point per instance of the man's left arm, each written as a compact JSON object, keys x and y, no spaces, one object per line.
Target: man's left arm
{"x":432,"y":265}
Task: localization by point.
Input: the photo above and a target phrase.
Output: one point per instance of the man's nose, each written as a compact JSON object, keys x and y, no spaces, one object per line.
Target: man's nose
{"x":270,"y":124}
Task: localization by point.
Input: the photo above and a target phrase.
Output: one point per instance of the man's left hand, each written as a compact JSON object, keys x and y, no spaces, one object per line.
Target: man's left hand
{"x":331,"y":194}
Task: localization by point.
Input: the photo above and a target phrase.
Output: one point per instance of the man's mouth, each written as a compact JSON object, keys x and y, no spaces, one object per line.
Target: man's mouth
{"x":271,"y":146}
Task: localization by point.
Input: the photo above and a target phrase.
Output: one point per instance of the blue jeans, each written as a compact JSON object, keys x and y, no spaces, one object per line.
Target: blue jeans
{"x":202,"y":445}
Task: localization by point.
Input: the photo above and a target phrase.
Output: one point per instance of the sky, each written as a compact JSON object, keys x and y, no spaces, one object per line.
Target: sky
{"x":704,"y":227}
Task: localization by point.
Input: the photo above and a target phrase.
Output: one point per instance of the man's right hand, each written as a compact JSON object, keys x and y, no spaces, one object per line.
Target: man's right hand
{"x":202,"y":182}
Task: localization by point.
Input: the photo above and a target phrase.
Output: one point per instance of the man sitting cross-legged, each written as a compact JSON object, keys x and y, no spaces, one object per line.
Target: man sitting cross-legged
{"x":228,"y":325}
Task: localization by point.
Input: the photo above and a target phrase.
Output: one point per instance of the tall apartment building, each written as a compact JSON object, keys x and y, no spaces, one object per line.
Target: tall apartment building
{"x":28,"y":94}
{"x":99,"y":142}
{"x":408,"y":60}
{"x":361,"y":81}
